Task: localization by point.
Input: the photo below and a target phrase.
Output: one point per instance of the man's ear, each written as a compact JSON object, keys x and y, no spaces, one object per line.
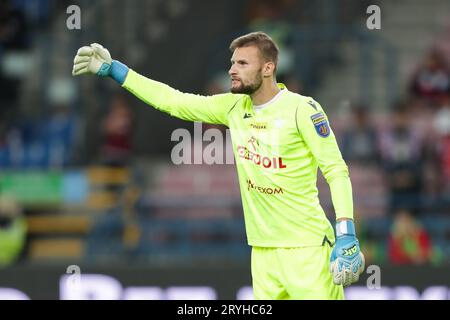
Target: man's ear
{"x":268,"y":69}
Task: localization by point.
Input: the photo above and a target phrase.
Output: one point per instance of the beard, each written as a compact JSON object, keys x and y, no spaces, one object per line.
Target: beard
{"x":249,"y":88}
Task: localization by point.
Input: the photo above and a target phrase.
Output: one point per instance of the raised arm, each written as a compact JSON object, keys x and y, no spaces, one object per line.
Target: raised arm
{"x":96,"y":60}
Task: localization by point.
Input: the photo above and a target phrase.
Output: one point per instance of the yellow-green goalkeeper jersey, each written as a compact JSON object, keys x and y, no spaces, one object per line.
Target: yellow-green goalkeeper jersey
{"x":278,"y":149}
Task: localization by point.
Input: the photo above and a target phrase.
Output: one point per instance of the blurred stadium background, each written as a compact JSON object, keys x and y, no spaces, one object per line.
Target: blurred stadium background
{"x":86,"y":178}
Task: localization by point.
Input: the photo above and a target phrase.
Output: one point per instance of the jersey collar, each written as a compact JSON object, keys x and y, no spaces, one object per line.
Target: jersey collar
{"x":275,"y":98}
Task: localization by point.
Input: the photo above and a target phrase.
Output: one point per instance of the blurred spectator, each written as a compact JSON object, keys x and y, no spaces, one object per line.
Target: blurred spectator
{"x":374,"y":250}
{"x":401,"y":148}
{"x":61,"y":130}
{"x":268,"y":16}
{"x":12,"y":231}
{"x":13,"y":27}
{"x":49,"y":142}
{"x":14,"y":40}
{"x":218,"y":84}
{"x":441,"y":156}
{"x":263,"y":10}
{"x":61,"y":133}
{"x":20,"y":145}
{"x":432,"y":80}
{"x":292,"y":82}
{"x":38,"y":11}
{"x":408,"y":242}
{"x":4,"y":147}
{"x":441,"y":125}
{"x":117,"y":133}
{"x":443,"y":43}
{"x":360,"y":142}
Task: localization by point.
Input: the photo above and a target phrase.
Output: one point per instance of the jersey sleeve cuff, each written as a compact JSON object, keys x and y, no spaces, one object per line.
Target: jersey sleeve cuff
{"x":119,"y":71}
{"x":345,"y":228}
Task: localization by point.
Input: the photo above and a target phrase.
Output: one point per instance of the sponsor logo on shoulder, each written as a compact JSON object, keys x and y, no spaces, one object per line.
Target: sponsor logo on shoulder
{"x":321,"y":124}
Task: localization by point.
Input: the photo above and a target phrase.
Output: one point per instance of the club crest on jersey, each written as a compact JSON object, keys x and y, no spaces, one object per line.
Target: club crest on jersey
{"x":321,"y":124}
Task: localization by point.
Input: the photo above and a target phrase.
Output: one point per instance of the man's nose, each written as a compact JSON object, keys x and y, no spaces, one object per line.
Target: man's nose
{"x":231,"y":71}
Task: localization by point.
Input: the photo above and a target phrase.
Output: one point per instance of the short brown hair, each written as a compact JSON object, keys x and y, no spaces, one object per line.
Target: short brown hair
{"x":262,"y":41}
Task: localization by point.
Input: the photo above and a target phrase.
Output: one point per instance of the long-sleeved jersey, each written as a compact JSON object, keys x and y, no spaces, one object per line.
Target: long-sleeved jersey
{"x":278,"y":150}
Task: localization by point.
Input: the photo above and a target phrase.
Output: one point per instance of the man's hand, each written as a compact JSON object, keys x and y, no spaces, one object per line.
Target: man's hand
{"x":347,"y":261}
{"x":93,"y":59}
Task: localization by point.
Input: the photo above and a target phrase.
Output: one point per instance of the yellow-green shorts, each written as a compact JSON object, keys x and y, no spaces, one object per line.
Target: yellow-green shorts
{"x":293,"y":273}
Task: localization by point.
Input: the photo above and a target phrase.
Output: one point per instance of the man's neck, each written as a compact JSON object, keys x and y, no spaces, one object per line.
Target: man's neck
{"x":265,"y":93}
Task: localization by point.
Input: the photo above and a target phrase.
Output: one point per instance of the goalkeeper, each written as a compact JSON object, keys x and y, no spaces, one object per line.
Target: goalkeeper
{"x":280,"y":138}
